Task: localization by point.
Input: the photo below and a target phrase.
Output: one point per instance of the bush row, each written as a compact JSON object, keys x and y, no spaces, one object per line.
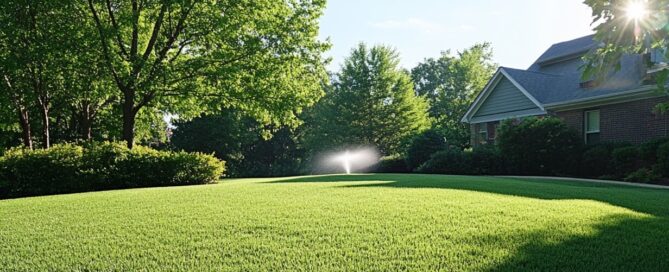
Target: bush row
{"x":539,"y":146}
{"x":68,"y":168}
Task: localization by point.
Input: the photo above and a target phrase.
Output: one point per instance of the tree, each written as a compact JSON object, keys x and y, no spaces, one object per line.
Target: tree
{"x":451,"y":83}
{"x":48,"y":67}
{"x":189,"y":57}
{"x":627,"y":27}
{"x":371,"y":102}
{"x":241,"y":142}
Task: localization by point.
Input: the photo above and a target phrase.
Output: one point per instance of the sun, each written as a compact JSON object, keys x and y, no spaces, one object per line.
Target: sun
{"x":636,"y":10}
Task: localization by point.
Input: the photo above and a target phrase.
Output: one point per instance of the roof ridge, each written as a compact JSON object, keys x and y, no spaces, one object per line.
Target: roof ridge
{"x":529,"y":71}
{"x":575,"y":39}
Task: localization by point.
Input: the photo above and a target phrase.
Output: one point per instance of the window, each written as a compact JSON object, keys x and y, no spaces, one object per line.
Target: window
{"x":483,"y":133}
{"x":592,"y":127}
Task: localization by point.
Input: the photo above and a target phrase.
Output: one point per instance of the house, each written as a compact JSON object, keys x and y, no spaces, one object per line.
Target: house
{"x":618,"y":109}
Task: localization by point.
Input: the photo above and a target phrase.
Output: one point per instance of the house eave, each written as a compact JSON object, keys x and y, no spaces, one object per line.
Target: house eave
{"x":643,"y":92}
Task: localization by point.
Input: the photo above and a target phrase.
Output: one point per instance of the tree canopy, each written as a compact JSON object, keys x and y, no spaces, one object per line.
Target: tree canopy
{"x":371,"y":102}
{"x":121,"y":66}
{"x":190,"y":57}
{"x":451,"y":83}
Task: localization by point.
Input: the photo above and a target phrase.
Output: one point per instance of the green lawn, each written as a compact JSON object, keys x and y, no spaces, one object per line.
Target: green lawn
{"x":365,"y":222}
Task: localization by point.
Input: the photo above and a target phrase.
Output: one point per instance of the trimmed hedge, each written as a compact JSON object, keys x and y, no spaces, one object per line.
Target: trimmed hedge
{"x":546,"y":146}
{"x":392,"y":164}
{"x":540,"y":146}
{"x":485,"y":160}
{"x":67,"y":168}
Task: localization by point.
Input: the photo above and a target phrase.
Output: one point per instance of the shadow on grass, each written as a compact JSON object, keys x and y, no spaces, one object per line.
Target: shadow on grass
{"x":644,"y":200}
{"x":620,"y":243}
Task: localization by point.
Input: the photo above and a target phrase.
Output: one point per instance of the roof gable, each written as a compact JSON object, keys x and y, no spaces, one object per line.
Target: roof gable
{"x":503,"y":98}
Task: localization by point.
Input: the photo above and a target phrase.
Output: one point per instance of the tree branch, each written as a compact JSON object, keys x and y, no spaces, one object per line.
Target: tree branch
{"x":116,"y":29}
{"x":135,"y":31}
{"x":105,"y":46}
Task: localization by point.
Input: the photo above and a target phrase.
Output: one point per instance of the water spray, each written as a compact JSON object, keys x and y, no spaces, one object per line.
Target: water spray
{"x":351,"y":161}
{"x":346,"y":161}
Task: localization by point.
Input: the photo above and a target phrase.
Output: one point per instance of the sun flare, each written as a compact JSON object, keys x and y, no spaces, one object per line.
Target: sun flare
{"x":636,"y":10}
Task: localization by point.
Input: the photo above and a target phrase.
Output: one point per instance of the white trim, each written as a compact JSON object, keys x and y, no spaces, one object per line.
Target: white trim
{"x":490,"y":87}
{"x":486,"y":91}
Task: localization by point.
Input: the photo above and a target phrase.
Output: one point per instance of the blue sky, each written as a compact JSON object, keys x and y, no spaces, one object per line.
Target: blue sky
{"x":519,"y":30}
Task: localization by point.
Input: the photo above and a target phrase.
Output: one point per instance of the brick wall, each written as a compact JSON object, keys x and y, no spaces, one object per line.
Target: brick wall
{"x":633,"y":122}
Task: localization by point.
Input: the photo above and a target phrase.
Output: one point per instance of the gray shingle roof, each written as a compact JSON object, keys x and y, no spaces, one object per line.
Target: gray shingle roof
{"x":567,"y":48}
{"x":561,"y":82}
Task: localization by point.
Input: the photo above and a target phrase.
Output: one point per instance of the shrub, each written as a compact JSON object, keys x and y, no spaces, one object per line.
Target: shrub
{"x":596,"y":160}
{"x":42,"y":172}
{"x":662,"y":166}
{"x":643,"y":175}
{"x":449,"y":161}
{"x":487,"y":160}
{"x":648,"y":151}
{"x":423,"y":146}
{"x":624,"y":160}
{"x":392,"y":164}
{"x":539,"y":146}
{"x":67,"y":168}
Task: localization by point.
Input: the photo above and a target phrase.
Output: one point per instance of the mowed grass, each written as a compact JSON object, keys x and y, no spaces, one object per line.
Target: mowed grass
{"x":343,"y":223}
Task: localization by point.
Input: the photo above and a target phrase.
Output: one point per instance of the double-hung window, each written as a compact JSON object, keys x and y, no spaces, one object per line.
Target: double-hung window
{"x":591,"y":127}
{"x":483,"y":133}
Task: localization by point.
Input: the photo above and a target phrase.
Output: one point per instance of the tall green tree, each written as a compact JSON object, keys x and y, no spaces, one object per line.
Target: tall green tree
{"x":33,"y":41}
{"x":187,"y":57}
{"x":451,"y":83}
{"x":371,"y":102}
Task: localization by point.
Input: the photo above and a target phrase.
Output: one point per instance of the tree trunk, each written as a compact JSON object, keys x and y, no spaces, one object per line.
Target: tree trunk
{"x":46,"y":139}
{"x":24,"y":121}
{"x":86,"y":122}
{"x":129,"y":118}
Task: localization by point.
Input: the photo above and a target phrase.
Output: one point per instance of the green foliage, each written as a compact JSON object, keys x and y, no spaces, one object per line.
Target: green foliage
{"x":485,"y":160}
{"x":108,"y":70}
{"x":488,"y":160}
{"x":423,"y":146}
{"x":392,"y":164}
{"x":451,"y":83}
{"x":595,"y":161}
{"x":643,"y":175}
{"x":539,"y":146}
{"x":448,"y":161}
{"x":372,"y":102}
{"x":662,"y":166}
{"x":190,"y":57}
{"x":239,"y":140}
{"x":624,"y":160}
{"x":648,"y":150}
{"x":42,"y":171}
{"x":66,"y":168}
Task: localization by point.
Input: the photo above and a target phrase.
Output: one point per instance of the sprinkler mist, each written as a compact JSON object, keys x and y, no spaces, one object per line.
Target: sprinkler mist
{"x":351,"y":160}
{"x":346,"y":161}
